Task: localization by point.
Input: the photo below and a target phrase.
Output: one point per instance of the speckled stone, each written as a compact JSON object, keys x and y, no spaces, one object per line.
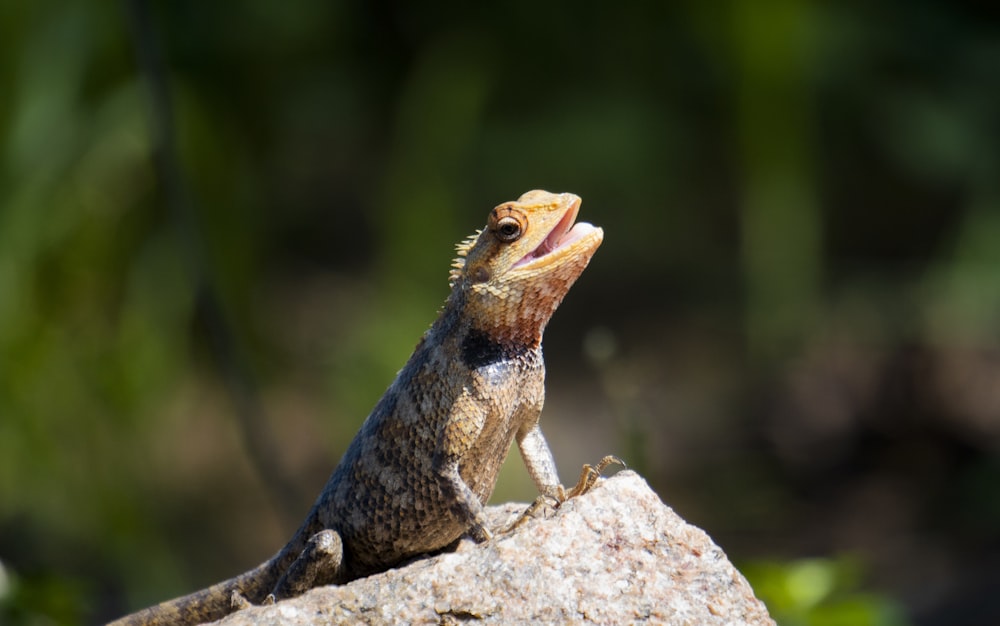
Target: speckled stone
{"x":616,"y":555}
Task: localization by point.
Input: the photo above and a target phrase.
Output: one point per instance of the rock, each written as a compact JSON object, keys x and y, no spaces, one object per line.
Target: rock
{"x":616,"y":555}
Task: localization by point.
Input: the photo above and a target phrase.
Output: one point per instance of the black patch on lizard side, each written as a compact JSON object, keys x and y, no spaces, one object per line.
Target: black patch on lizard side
{"x":479,"y":349}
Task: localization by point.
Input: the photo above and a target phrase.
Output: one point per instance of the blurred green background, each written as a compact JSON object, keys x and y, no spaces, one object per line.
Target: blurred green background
{"x":223,"y":229}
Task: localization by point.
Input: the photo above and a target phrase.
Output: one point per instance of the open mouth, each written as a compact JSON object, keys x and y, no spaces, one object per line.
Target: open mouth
{"x":564,"y":234}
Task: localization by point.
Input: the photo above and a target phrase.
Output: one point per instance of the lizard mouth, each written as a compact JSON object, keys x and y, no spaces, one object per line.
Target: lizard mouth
{"x":562,"y":236}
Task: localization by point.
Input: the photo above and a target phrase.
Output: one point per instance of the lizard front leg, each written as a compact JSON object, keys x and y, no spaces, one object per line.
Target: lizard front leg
{"x":464,"y":504}
{"x":540,"y":462}
{"x":542,"y":468}
{"x":454,"y":441}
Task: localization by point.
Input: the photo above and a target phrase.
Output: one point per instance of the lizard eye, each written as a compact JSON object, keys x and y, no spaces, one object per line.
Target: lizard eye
{"x":508,"y":229}
{"x":508,"y":223}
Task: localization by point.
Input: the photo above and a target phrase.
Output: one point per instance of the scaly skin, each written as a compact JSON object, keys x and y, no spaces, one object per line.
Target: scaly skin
{"x":424,"y":463}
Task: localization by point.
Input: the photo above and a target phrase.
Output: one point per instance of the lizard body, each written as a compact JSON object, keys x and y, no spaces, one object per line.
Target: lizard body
{"x":416,"y":476}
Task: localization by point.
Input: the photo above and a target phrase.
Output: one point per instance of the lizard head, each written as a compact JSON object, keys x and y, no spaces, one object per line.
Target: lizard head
{"x":515,"y":272}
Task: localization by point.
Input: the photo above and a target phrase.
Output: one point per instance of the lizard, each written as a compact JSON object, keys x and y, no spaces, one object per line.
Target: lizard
{"x":417,"y":475}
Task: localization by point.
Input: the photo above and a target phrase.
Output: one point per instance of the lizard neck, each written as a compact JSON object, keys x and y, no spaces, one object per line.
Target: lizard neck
{"x":500,"y":316}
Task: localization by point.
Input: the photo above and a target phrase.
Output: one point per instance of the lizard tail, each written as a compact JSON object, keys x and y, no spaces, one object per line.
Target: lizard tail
{"x":209,"y":604}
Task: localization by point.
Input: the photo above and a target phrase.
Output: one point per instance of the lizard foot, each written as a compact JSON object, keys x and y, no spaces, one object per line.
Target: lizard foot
{"x":479,"y":533}
{"x":590,"y":474}
{"x":543,"y":507}
{"x":317,"y":564}
{"x":238,"y":601}
{"x":545,"y":504}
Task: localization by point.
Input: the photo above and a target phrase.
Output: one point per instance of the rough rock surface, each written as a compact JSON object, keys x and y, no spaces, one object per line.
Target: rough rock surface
{"x":617,"y":555}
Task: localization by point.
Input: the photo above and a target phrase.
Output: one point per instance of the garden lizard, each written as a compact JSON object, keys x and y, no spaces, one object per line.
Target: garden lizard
{"x":416,"y":476}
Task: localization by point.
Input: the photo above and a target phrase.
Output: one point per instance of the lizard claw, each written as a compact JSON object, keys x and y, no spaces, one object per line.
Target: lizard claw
{"x":590,"y":474}
{"x":238,"y":601}
{"x":543,"y":506}
{"x":479,"y":533}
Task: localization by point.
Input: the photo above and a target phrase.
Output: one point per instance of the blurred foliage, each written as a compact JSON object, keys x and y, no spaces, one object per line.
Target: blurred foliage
{"x":820,"y":592}
{"x":792,"y":329}
{"x":47,"y":599}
